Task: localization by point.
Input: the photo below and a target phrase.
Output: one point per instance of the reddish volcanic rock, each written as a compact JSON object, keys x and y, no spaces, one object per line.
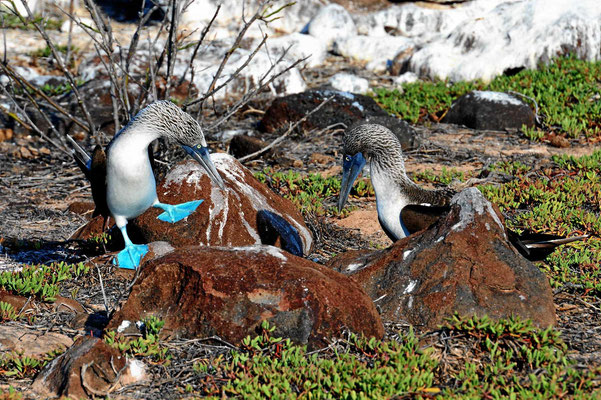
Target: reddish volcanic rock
{"x":225,"y":218}
{"x":201,"y":291}
{"x":464,"y":264}
{"x":91,"y":357}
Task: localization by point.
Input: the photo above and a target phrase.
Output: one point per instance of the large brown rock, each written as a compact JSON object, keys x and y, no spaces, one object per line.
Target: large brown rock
{"x":241,"y":215}
{"x":200,"y":291}
{"x":464,"y":263}
{"x":90,"y":368}
{"x":31,"y":342}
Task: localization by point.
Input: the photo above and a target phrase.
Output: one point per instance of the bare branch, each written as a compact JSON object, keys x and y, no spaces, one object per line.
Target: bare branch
{"x":228,"y":54}
{"x":195,"y":51}
{"x":288,"y":132}
{"x":262,"y":85}
{"x":63,"y":68}
{"x":16,"y":77}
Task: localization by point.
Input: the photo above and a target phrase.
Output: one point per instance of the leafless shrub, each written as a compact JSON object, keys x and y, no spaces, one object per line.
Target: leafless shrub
{"x":136,"y":67}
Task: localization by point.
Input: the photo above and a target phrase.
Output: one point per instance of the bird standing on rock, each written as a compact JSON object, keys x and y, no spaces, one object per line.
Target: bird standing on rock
{"x":403,"y":206}
{"x":130,"y":187}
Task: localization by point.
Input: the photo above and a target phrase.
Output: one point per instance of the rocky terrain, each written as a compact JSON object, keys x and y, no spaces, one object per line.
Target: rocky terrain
{"x":211,"y":280}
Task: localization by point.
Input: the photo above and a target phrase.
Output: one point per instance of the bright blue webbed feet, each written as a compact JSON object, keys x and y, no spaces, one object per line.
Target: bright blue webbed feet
{"x":130,"y":257}
{"x":177,"y":212}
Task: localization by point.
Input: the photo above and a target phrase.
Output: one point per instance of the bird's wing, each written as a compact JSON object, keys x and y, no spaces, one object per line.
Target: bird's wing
{"x":417,"y":217}
{"x":98,"y":181}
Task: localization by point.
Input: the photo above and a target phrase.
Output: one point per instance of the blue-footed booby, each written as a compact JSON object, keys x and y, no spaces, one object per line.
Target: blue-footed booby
{"x":377,"y":145}
{"x":130,"y":187}
{"x":403,"y":206}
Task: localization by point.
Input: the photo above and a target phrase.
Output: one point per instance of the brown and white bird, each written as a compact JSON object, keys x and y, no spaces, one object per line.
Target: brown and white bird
{"x":403,"y":206}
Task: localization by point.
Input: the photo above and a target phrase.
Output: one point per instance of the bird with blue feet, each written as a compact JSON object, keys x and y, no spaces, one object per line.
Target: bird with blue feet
{"x":403,"y":206}
{"x":123,"y":183}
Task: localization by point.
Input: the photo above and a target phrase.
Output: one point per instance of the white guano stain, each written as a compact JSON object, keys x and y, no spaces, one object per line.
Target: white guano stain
{"x":353,"y":267}
{"x":410,"y":287}
{"x":496,"y":97}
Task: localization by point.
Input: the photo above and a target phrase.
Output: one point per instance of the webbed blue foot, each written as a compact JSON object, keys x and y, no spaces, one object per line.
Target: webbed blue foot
{"x":177,"y":212}
{"x":130,"y":256}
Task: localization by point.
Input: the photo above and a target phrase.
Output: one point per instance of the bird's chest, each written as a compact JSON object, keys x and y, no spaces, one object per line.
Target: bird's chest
{"x":390,"y":201}
{"x":131,"y":187}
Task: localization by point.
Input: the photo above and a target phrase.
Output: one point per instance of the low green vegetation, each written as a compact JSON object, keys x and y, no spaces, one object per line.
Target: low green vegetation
{"x":17,"y":365}
{"x":508,"y":359}
{"x":445,"y":177}
{"x":564,"y":199}
{"x":40,"y":281}
{"x":47,"y":51}
{"x":308,"y":192}
{"x":147,"y":345}
{"x":566,"y":91}
{"x":11,"y":21}
{"x":7,"y":312}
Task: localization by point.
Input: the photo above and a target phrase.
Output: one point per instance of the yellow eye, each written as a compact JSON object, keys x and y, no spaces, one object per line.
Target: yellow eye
{"x":347,"y":158}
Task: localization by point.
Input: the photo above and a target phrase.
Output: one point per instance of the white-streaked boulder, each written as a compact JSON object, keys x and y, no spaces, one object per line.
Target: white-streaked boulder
{"x":332,"y":22}
{"x":349,"y":83}
{"x":374,"y":50}
{"x":301,"y":46}
{"x":512,"y":35}
{"x":290,"y":19}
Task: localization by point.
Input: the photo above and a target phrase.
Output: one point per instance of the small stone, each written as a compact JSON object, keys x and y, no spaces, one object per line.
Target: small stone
{"x":6,"y":134}
{"x":349,"y":83}
{"x":89,"y":368}
{"x":375,"y":51}
{"x":344,"y":107}
{"x":31,"y":342}
{"x":558,"y":141}
{"x":243,"y":145}
{"x":25,"y":153}
{"x":321,"y":158}
{"x":300,"y":46}
{"x":407,"y":77}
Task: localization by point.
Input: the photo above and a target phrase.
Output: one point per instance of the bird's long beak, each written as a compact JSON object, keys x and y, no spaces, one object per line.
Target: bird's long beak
{"x":351,"y":167}
{"x":201,"y":154}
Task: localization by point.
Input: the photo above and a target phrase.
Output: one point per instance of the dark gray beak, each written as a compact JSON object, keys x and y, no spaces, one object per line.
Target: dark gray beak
{"x":201,"y":154}
{"x":351,"y":167}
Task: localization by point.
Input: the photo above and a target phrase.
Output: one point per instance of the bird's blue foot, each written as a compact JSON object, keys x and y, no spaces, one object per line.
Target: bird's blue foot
{"x":130,"y":257}
{"x":177,"y":212}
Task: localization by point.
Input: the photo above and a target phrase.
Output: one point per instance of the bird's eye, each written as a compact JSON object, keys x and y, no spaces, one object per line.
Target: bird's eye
{"x":347,"y":158}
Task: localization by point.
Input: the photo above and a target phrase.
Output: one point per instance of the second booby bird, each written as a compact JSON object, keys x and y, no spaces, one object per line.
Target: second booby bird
{"x":403,"y":206}
{"x":130,"y":183}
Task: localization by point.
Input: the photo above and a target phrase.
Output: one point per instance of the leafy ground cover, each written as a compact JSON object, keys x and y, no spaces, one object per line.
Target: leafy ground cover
{"x":567,"y":92}
{"x":507,"y":359}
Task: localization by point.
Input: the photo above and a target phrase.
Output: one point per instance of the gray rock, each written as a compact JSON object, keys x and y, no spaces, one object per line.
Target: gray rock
{"x":332,"y":22}
{"x":489,"y":110}
{"x":349,"y":83}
